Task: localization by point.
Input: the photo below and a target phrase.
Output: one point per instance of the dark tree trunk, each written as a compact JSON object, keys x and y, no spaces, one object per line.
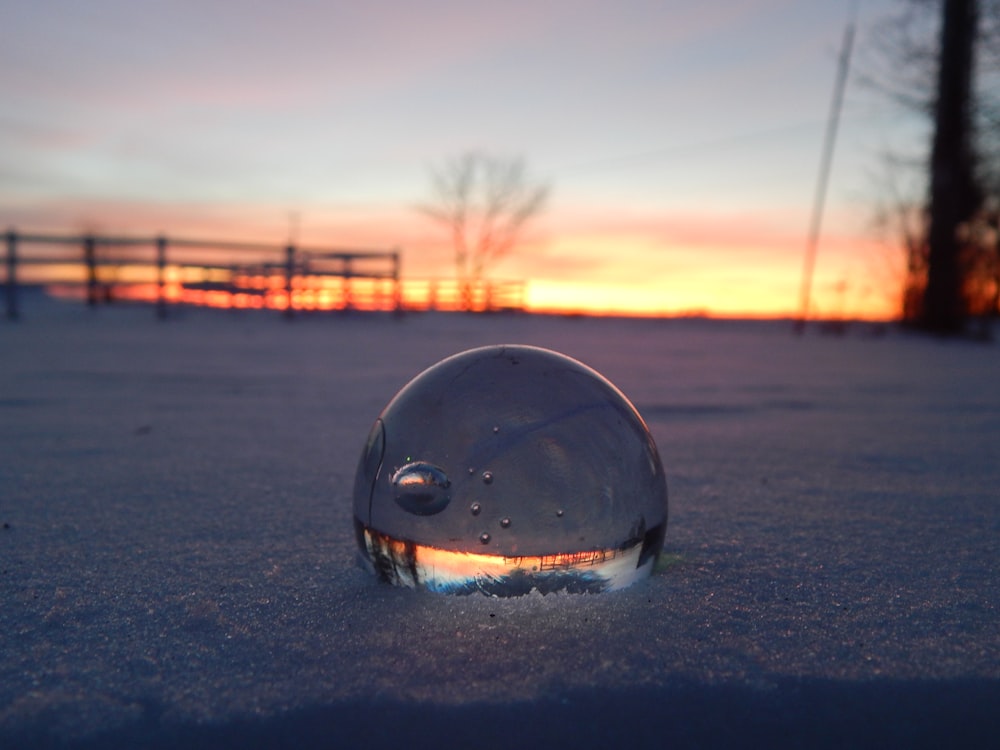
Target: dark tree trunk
{"x":953,"y":193}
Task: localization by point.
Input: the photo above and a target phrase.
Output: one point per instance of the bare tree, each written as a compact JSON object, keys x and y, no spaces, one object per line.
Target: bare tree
{"x":484,"y":202}
{"x":941,"y":57}
{"x":901,"y":218}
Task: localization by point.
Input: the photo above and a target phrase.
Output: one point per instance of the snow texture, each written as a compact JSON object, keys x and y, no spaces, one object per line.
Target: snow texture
{"x":178,"y":565}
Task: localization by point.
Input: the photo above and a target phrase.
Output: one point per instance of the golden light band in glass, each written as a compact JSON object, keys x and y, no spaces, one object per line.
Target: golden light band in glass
{"x":405,"y":563}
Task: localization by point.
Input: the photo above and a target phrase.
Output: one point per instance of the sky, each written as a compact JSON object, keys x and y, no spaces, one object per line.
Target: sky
{"x":681,"y":141}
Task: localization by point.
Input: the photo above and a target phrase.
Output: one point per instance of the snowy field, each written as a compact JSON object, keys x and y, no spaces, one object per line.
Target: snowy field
{"x":178,"y":564}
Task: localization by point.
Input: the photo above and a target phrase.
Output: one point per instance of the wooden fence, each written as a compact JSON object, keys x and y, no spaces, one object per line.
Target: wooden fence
{"x":166,"y":271}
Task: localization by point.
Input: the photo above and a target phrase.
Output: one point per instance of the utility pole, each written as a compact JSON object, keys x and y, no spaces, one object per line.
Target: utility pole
{"x":826,"y":162}
{"x":11,"y":284}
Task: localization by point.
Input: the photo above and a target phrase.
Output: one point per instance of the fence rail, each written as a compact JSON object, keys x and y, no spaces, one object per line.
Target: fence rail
{"x":164,"y":269}
{"x":176,"y":271}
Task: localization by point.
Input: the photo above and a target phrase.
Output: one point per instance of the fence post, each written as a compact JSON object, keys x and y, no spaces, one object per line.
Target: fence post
{"x":347,"y":292}
{"x":161,"y":269}
{"x":11,"y":284}
{"x":289,"y":274}
{"x":397,"y":291}
{"x":90,"y":259}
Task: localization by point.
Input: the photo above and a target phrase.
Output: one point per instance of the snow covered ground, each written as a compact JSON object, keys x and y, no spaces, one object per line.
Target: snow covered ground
{"x":178,"y":564}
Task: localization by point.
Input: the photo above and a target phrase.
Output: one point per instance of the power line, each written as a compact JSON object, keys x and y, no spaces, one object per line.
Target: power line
{"x":640,"y":158}
{"x":695,"y":148}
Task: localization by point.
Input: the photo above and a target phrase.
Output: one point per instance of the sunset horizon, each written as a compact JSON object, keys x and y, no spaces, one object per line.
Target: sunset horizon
{"x":680,"y":146}
{"x":768,"y":295}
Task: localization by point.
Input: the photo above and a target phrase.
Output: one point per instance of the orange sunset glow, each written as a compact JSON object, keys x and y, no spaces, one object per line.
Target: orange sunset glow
{"x":679,"y":147}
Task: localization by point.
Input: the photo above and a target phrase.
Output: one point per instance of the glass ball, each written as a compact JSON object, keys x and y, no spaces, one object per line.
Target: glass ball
{"x":510,"y":468}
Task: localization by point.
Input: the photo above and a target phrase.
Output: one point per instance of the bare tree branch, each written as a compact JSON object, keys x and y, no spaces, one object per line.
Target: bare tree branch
{"x":951,"y":260}
{"x":484,"y":202}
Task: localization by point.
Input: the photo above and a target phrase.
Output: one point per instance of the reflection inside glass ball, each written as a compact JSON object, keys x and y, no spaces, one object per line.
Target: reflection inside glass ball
{"x":507,"y":469}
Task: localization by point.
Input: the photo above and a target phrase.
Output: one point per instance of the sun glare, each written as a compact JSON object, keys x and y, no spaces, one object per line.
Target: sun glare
{"x":582,"y":276}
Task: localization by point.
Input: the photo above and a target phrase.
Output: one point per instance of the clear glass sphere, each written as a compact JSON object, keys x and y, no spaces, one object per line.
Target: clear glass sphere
{"x":510,"y":468}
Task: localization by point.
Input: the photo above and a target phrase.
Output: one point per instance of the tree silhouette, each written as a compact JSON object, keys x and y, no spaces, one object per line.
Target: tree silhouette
{"x":484,"y":202}
{"x":954,"y":194}
{"x":941,"y":58}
